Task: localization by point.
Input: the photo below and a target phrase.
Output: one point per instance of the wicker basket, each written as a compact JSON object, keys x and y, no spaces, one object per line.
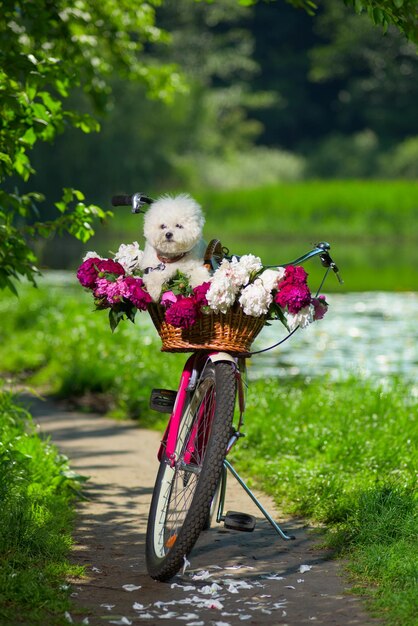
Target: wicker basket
{"x":232,"y":332}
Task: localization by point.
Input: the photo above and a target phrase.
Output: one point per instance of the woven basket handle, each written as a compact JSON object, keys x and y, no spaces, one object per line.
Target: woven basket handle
{"x":214,"y":254}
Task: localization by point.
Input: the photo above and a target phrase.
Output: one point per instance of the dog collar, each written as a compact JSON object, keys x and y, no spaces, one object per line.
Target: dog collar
{"x":171,"y":259}
{"x":159,"y":267}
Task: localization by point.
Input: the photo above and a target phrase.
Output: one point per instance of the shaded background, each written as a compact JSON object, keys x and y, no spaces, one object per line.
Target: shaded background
{"x":275,"y":96}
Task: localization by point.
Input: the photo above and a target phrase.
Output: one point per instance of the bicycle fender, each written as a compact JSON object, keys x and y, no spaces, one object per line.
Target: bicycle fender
{"x":222,"y":356}
{"x":215,"y":357}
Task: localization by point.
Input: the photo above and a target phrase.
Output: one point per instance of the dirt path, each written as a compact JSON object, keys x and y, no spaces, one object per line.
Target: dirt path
{"x":233,"y":578}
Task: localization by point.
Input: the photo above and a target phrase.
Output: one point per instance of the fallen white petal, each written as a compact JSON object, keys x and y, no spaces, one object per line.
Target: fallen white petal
{"x":68,"y":617}
{"x":168,"y":615}
{"x":305,"y":568}
{"x":121,"y":622}
{"x":290,"y":587}
{"x":222,"y":624}
{"x":137,"y":606}
{"x":202,"y":575}
{"x":195,"y":623}
{"x":238,"y":584}
{"x":226,"y":614}
{"x":187,"y":616}
{"x":273,"y":577}
{"x":210,"y":589}
{"x":213,"y":604}
{"x":279,"y":605}
{"x":284,"y":613}
{"x":186,"y":564}
{"x":109,"y":607}
{"x":146,"y":616}
{"x":245,"y":617}
{"x":233,"y":589}
{"x":96,"y":569}
{"x":184,"y":587}
{"x":131,"y":587}
{"x":85,"y":620}
{"x":300,"y":580}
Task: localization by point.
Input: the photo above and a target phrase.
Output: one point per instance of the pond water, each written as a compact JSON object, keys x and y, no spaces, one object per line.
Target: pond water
{"x":368,"y":333}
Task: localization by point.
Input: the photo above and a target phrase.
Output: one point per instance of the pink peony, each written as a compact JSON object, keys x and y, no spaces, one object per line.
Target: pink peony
{"x":320,"y":307}
{"x":294,"y":275}
{"x":168,"y":298}
{"x":90,"y":269}
{"x":87,"y":272}
{"x":112,"y":292}
{"x":183,"y":313}
{"x":293,"y":297}
{"x":133,"y":290}
{"x":200,"y":294}
{"x":110,"y":267}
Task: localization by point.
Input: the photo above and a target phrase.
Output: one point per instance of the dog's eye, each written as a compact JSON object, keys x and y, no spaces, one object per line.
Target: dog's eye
{"x":163,"y":226}
{"x":179,"y":226}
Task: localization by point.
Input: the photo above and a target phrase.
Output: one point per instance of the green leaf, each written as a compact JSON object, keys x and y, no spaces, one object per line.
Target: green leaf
{"x":114,"y":318}
{"x":61,"y":206}
{"x":29,"y":137}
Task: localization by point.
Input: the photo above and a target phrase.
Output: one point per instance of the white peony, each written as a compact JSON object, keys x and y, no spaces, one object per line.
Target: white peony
{"x":301,"y":319}
{"x":92,"y":255}
{"x":272,"y":277}
{"x":129,"y":256}
{"x":255,"y":299}
{"x":238,"y":271}
{"x":221,"y":293}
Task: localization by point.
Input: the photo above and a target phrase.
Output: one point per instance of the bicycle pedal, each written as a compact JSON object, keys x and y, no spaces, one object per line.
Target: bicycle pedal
{"x":162,"y":400}
{"x":239,"y":521}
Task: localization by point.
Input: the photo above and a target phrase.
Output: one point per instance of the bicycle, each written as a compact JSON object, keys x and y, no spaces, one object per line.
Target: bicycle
{"x":191,"y":481}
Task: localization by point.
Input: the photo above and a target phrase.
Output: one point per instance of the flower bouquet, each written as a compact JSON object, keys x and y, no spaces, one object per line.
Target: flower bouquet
{"x":226,"y":312}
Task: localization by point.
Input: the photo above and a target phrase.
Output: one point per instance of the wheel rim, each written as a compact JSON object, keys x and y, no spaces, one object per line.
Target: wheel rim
{"x":180,"y":480}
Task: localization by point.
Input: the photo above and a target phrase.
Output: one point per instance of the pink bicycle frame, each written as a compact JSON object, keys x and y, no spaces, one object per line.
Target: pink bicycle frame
{"x":169,"y":440}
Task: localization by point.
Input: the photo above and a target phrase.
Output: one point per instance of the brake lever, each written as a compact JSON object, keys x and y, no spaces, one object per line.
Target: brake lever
{"x":327,"y":261}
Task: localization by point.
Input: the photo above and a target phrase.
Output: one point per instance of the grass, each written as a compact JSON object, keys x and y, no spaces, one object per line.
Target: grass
{"x":55,"y":341}
{"x":344,"y":454}
{"x":36,"y":520}
{"x":338,"y":452}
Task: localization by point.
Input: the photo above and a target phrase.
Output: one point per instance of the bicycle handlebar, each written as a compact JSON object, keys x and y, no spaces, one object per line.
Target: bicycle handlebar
{"x":136,"y":201}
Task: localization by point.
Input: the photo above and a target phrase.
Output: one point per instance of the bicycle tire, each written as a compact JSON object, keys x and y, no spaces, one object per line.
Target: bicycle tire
{"x":183,"y":493}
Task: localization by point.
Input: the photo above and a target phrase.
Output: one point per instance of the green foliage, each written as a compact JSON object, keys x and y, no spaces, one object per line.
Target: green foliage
{"x":344,"y":453}
{"x":46,"y":50}
{"x":401,"y":13}
{"x":402,"y":161}
{"x":36,"y":491}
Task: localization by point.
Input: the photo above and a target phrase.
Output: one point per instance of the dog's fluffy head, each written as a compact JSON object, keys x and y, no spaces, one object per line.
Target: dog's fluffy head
{"x":173,"y":224}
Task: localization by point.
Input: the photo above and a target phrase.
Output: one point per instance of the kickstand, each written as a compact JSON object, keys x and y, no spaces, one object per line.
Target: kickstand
{"x":220,"y":516}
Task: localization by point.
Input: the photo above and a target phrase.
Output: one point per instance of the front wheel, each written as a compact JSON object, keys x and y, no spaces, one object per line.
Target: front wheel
{"x":184,"y":489}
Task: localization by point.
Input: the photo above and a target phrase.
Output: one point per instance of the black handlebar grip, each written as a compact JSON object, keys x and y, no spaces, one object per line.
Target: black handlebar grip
{"x":122,"y":200}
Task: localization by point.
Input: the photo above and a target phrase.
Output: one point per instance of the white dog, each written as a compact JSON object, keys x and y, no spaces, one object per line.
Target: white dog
{"x":173,"y":233}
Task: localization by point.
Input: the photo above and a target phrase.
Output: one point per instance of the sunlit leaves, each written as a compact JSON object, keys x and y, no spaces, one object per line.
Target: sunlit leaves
{"x":46,"y":50}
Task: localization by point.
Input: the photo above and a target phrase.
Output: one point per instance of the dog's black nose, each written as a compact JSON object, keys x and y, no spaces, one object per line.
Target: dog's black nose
{"x":169,"y":235}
